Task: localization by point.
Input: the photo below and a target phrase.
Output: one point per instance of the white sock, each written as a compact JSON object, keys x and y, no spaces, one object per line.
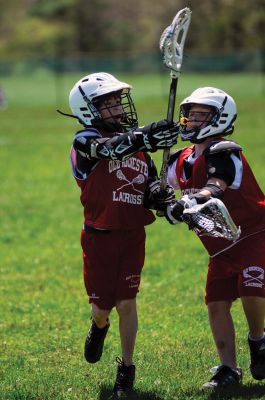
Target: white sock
{"x":256,"y":339}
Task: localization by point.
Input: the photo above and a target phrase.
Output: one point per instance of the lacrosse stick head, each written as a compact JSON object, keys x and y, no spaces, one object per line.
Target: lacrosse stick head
{"x":211,"y":219}
{"x":139,"y":179}
{"x":172,"y":41}
{"x":120,"y":175}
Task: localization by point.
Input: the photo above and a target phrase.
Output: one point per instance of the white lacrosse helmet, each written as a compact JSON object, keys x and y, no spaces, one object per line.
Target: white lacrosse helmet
{"x":89,"y":90}
{"x":223,"y":116}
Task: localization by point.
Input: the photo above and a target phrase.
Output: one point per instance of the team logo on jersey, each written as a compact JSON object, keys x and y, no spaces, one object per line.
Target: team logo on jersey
{"x":132,"y":163}
{"x":126,"y":196}
{"x":253,"y":276}
{"x":133,"y":280}
{"x":139,"y":179}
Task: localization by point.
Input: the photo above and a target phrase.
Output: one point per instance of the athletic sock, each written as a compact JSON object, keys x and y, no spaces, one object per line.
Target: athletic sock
{"x":256,"y":339}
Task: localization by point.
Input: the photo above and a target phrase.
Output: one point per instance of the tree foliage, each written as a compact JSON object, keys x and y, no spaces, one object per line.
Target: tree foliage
{"x":116,"y":26}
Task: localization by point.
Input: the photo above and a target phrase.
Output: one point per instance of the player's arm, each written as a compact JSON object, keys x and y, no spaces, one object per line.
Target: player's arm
{"x":157,"y":135}
{"x":224,"y":169}
{"x":81,"y":165}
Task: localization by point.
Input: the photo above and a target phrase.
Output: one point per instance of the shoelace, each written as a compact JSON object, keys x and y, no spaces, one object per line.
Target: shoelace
{"x":119,"y":361}
{"x":124,"y":380}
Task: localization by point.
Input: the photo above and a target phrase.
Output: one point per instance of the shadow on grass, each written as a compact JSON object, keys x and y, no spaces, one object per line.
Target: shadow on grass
{"x":252,"y":391}
{"x":106,"y":393}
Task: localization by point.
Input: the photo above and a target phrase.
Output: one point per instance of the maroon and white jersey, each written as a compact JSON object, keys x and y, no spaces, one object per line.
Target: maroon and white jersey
{"x":112,"y":192}
{"x":243,"y":197}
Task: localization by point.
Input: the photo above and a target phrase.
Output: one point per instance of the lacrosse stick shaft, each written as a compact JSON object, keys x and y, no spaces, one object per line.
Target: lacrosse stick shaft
{"x":170,"y":117}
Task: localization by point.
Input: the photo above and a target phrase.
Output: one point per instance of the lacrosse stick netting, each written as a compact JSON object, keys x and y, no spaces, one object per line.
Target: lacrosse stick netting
{"x":173,"y":39}
{"x":171,"y":46}
{"x":212,"y":219}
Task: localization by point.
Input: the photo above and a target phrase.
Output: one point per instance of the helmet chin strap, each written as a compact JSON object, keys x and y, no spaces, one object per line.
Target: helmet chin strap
{"x":195,"y":140}
{"x":66,"y":114}
{"x":69,"y":115}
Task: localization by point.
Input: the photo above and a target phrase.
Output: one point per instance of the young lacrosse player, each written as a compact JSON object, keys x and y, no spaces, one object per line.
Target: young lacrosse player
{"x":216,"y":167}
{"x":116,"y":176}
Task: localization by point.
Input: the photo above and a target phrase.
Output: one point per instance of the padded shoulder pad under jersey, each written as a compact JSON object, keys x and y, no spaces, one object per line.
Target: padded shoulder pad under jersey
{"x":89,"y":132}
{"x":219,"y":147}
{"x":173,"y":156}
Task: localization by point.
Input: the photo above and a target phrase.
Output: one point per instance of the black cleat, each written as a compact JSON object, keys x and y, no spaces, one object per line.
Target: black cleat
{"x":124,"y":379}
{"x":94,"y":342}
{"x":257,"y":356}
{"x":225,"y":378}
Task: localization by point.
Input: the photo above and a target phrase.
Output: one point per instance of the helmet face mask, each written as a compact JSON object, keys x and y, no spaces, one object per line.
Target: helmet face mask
{"x":207,"y":112}
{"x":116,"y":111}
{"x":94,"y":100}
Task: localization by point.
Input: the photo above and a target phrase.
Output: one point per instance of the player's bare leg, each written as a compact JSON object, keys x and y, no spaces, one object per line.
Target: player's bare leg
{"x":222,"y":327}
{"x":128,"y":324}
{"x":95,"y":339}
{"x":254,"y":308}
{"x":227,"y":374}
{"x":99,"y":316}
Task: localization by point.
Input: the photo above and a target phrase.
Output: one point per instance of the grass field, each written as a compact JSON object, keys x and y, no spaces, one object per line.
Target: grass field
{"x":44,"y":309}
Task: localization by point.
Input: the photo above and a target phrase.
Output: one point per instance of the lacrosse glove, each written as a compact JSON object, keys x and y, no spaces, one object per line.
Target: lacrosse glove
{"x":158,"y":135}
{"x":174,"y":212}
{"x":157,"y":198}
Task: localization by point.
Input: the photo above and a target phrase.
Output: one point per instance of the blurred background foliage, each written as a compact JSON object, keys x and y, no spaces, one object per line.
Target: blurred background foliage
{"x":125,"y":30}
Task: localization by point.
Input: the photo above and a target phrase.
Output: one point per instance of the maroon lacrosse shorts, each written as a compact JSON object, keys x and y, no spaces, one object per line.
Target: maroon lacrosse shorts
{"x":113,"y":262}
{"x":238,"y":271}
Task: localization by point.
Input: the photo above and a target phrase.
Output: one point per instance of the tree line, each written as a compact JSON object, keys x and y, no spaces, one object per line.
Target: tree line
{"x":69,"y":27}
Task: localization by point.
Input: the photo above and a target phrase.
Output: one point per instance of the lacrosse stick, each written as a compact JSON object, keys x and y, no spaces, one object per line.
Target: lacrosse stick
{"x":211,"y":219}
{"x":137,"y":179}
{"x":171,"y":46}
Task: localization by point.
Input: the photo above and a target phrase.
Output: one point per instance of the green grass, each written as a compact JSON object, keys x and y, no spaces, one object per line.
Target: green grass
{"x":44,"y":309}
